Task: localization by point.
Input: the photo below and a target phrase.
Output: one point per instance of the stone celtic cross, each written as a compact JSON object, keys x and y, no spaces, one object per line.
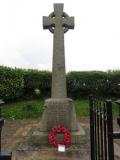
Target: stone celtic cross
{"x":59,"y":110}
{"x":58,"y":22}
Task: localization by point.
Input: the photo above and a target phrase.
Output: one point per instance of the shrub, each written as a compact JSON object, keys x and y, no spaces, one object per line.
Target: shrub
{"x":98,"y":83}
{"x":37,"y":83}
{"x":37,"y":79}
{"x":37,"y":92}
{"x":11,"y":83}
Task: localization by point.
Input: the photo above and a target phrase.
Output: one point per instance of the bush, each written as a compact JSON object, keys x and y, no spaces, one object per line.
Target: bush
{"x":37,"y":79}
{"x":11,"y":83}
{"x":37,"y":84}
{"x":37,"y":92}
{"x":105,"y":84}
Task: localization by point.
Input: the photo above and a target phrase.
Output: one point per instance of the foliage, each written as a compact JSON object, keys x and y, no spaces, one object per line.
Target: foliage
{"x":15,"y":83}
{"x":98,"y":83}
{"x":35,"y":79}
{"x":23,"y":109}
{"x":11,"y":83}
{"x":37,"y":92}
{"x":35,"y":108}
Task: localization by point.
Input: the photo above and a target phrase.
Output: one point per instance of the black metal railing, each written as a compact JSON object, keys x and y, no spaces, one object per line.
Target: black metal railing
{"x":3,"y":155}
{"x":101,"y":130}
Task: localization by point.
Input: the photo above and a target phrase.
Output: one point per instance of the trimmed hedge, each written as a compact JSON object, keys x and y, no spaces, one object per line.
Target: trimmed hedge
{"x":105,"y":84}
{"x":34,"y":79}
{"x":11,"y":83}
{"x":16,"y":83}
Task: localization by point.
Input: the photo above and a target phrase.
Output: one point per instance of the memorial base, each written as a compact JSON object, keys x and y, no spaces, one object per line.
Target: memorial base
{"x":57,"y":112}
{"x":41,"y":138}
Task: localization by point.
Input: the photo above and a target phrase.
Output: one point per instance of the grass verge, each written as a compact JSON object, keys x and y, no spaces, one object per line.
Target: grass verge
{"x":34,"y":108}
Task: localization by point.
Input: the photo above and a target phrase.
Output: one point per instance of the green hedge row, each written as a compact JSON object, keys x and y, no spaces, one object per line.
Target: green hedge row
{"x":37,"y":79}
{"x":11,"y":83}
{"x":16,"y":83}
{"x":105,"y":84}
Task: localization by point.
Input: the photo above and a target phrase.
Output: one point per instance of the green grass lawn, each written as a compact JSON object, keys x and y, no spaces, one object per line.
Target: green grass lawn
{"x":23,"y":109}
{"x":34,"y":108}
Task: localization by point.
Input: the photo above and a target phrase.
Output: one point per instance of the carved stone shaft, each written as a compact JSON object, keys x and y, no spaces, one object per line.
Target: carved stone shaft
{"x":58,"y":23}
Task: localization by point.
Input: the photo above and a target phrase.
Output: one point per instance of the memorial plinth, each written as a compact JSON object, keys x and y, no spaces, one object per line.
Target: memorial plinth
{"x":59,"y":110}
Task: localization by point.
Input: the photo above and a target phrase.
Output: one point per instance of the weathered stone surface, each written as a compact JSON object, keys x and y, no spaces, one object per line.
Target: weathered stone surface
{"x":41,"y":138}
{"x":59,"y":109}
{"x":59,"y":112}
{"x":58,"y":22}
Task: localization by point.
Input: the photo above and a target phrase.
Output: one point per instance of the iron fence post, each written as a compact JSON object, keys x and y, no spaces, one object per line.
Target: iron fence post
{"x":91,"y":127}
{"x":110,"y":129}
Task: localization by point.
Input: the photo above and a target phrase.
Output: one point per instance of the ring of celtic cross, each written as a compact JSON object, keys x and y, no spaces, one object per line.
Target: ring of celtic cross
{"x":65,"y":28}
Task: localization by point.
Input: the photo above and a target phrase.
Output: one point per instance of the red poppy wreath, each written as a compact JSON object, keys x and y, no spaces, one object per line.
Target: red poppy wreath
{"x":59,"y":130}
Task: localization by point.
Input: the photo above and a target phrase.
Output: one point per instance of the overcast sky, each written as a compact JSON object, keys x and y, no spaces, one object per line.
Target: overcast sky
{"x":94,"y":44}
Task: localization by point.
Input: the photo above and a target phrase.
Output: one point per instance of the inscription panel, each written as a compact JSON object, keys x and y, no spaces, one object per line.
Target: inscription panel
{"x":60,"y":113}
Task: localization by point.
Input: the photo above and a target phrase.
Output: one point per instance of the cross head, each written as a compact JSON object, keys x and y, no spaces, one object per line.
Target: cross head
{"x":59,"y":19}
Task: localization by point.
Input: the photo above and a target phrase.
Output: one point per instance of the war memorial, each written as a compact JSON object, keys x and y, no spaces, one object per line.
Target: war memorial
{"x":59,"y":109}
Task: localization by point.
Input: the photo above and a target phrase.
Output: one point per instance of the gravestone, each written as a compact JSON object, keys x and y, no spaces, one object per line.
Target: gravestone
{"x":59,"y":110}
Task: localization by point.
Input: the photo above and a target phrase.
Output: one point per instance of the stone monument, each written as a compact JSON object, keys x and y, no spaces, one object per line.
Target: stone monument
{"x":59,"y":110}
